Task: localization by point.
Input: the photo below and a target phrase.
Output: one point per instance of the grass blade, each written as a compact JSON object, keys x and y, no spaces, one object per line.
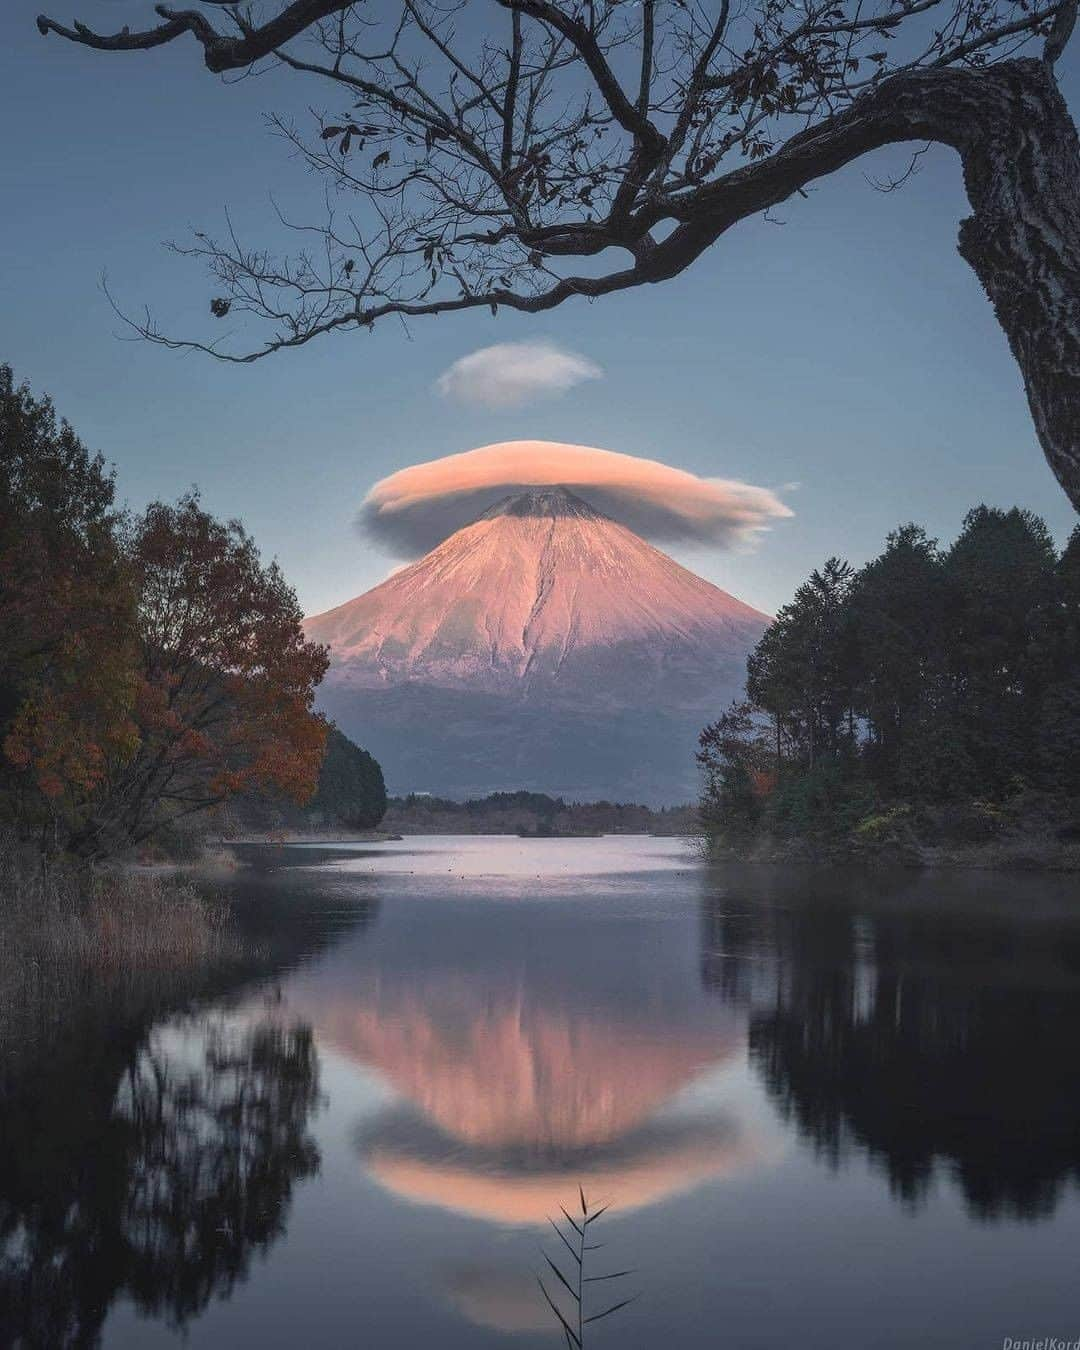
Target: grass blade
{"x":562,"y":1278}
{"x":608,"y":1311}
{"x":566,"y":1241}
{"x":584,"y":1206}
{"x":555,"y":1309}
{"x":572,"y":1223}
{"x":593,"y":1217}
{"x":617,"y":1275}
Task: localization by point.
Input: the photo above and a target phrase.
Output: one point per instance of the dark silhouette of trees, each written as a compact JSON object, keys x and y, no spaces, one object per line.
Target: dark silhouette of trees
{"x":153,"y":1168}
{"x":901,"y":609}
{"x":351,"y":789}
{"x":802,"y":669}
{"x":128,"y":1173}
{"x":494,"y":144}
{"x":351,"y":795}
{"x":1059,"y":738}
{"x":929,"y":676}
{"x":738,"y":770}
{"x":932,"y":1039}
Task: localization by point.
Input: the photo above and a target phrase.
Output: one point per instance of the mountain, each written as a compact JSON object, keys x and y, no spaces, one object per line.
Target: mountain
{"x":543,"y":646}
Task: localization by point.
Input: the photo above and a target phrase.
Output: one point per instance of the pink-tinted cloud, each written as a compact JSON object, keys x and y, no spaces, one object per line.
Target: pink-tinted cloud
{"x":416,"y":508}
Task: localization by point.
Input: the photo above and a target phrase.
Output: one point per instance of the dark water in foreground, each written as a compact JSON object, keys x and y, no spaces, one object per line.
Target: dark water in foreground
{"x":827,"y":1110}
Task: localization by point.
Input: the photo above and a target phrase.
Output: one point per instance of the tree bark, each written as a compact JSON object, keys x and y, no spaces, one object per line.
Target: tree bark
{"x":1021,"y":161}
{"x":1020,"y":154}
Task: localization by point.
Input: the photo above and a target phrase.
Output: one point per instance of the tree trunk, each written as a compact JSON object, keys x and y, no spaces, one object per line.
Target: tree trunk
{"x":1021,"y":160}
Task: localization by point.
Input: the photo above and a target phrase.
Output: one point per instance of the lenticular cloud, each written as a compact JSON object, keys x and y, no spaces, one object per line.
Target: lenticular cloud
{"x":418,"y":507}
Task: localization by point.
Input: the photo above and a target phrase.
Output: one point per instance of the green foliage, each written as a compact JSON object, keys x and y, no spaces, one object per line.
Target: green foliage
{"x":733,"y":756}
{"x":928,"y":677}
{"x":881,"y":825}
{"x":351,"y":790}
{"x":828,"y":800}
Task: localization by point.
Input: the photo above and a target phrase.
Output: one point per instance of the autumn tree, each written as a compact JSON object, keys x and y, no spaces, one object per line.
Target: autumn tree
{"x":67,"y":603}
{"x":351,"y":794}
{"x":493,"y":142}
{"x":226,"y":680}
{"x":150,"y":667}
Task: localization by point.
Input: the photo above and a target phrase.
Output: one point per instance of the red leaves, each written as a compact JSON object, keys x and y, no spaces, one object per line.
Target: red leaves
{"x":159,"y":666}
{"x":229,"y":677}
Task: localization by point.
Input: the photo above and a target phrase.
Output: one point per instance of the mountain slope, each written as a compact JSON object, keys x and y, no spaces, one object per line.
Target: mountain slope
{"x":539,"y":618}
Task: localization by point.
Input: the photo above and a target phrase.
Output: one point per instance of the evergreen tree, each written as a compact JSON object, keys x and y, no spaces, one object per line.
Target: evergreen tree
{"x":1003,"y":581}
{"x":927,"y":677}
{"x":801,"y":671}
{"x":351,"y":789}
{"x":900,"y":615}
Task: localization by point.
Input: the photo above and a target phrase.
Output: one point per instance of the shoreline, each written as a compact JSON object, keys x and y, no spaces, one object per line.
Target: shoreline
{"x":282,"y":837}
{"x":1061,"y":860}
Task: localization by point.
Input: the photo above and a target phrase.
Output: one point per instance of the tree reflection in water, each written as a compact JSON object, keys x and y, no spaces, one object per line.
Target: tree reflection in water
{"x":936,"y":1040}
{"x":160,"y":1189}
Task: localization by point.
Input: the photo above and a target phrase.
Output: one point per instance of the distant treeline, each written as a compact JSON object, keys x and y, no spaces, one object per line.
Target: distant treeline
{"x":350,"y":795}
{"x":533,"y":813}
{"x":152,"y":666}
{"x":933,"y":688}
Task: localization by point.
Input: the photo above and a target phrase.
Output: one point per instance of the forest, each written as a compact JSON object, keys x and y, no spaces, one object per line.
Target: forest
{"x":929,"y":696}
{"x":533,"y":813}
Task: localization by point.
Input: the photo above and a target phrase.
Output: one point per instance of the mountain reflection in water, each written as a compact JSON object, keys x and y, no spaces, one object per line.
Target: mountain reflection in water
{"x":510,"y":1095}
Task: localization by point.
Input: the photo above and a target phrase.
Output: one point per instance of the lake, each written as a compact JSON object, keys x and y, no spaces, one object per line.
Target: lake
{"x":826,"y":1109}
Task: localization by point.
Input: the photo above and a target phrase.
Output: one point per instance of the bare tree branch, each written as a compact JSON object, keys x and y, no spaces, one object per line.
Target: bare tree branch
{"x":477,"y":165}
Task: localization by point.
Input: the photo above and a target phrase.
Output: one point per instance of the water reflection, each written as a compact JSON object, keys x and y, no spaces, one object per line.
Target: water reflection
{"x":388,"y":1109}
{"x":514,"y":1078}
{"x":507,"y":1301}
{"x":147,"y":1152}
{"x":161,"y":1190}
{"x":935,"y":1035}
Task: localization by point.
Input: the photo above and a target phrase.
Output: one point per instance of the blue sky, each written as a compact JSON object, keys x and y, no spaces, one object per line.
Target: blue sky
{"x":849,"y":351}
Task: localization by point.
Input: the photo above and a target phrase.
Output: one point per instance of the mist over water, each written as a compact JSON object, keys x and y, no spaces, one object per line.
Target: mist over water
{"x":827,"y":1108}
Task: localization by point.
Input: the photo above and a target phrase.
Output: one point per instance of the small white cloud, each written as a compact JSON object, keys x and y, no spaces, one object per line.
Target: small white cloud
{"x":512,"y":373}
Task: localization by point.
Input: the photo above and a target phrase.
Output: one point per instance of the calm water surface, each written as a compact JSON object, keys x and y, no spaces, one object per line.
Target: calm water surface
{"x":826,"y":1109}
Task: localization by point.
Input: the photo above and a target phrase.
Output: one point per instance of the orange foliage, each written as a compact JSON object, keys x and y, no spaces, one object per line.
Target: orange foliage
{"x":226,"y":681}
{"x":763,"y":782}
{"x":149,"y":668}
